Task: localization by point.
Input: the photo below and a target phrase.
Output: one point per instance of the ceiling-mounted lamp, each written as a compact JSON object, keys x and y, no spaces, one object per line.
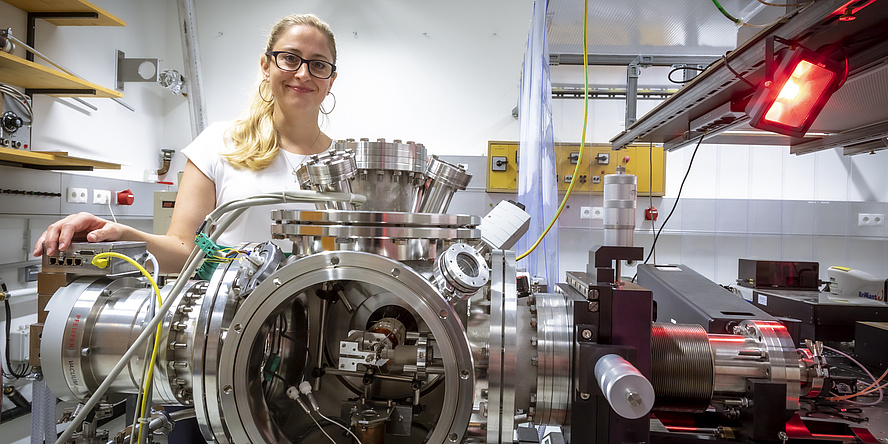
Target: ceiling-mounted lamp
{"x":795,"y":90}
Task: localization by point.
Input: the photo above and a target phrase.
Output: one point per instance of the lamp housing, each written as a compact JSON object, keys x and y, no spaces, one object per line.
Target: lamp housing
{"x":796,"y":90}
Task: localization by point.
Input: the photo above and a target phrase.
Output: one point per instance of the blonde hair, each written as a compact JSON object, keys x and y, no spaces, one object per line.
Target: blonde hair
{"x":254,"y":136}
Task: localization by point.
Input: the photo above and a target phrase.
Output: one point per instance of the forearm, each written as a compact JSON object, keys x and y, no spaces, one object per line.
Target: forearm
{"x":171,"y":251}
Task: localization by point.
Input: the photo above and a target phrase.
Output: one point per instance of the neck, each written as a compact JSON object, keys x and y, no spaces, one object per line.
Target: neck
{"x":295,"y":136}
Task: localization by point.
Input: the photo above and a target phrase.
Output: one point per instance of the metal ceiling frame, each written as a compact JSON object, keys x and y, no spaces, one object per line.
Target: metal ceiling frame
{"x":719,"y":85}
{"x":634,"y":64}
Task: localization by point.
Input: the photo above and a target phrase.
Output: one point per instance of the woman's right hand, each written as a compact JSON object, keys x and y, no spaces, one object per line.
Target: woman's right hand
{"x":76,"y":227}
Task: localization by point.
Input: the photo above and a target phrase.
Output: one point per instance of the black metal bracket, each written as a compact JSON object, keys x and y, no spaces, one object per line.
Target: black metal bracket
{"x":85,"y":91}
{"x":32,"y":24}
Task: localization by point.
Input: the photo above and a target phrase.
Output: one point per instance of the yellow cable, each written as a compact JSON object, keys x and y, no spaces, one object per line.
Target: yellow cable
{"x":101,"y":260}
{"x":582,"y":138}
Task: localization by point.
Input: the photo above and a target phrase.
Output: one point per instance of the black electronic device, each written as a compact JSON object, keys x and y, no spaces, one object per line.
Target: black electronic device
{"x":796,"y":275}
{"x":684,"y":296}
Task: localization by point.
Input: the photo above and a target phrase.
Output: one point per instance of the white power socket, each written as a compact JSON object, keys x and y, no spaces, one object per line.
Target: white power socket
{"x":101,"y":197}
{"x":77,"y":195}
{"x":870,"y":220}
{"x":591,"y":213}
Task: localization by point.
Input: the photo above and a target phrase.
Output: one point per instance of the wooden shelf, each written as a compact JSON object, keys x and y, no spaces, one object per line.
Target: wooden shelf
{"x":51,"y":160}
{"x":33,"y":76}
{"x":54,"y":6}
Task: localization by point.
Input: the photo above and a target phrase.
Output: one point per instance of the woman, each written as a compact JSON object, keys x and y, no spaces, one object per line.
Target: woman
{"x":257,"y":154}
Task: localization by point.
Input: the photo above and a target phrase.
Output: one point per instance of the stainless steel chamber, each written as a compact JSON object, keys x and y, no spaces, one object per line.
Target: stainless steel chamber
{"x":405,"y":326}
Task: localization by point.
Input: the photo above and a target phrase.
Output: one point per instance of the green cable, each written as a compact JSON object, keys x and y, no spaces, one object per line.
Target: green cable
{"x":726,"y":14}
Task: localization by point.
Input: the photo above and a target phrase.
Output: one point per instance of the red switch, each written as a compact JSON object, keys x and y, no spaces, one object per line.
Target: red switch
{"x":650,"y":214}
{"x":125,"y":197}
{"x":626,"y":159}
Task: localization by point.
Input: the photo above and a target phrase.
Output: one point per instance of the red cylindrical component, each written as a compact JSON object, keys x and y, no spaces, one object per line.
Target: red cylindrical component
{"x":125,"y":197}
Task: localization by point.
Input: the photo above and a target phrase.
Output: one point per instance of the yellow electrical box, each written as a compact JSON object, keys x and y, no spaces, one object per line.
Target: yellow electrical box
{"x":645,"y":162}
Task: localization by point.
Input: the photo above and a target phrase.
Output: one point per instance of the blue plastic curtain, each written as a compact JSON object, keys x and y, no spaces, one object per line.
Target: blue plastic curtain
{"x":536,"y":168}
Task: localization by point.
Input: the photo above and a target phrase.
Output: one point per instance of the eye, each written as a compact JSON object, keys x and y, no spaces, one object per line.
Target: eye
{"x":288,"y":58}
{"x":320,"y":66}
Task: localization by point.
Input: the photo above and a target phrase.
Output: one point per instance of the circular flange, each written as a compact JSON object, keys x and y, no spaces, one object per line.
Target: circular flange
{"x":236,"y":386}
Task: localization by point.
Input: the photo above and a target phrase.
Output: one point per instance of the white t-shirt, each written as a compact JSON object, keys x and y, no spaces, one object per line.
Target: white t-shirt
{"x":254,"y":224}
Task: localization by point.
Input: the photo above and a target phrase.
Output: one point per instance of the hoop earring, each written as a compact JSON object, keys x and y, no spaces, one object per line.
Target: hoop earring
{"x":325,"y":112}
{"x":261,"y":96}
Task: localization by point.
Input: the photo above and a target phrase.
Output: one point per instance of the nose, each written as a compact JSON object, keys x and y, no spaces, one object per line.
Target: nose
{"x":302,"y":71}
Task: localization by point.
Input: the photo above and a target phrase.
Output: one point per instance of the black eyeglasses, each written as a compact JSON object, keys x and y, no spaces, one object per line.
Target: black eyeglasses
{"x":287,"y":61}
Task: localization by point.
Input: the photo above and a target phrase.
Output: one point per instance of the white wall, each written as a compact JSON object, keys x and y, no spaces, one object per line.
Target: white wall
{"x":445,"y":74}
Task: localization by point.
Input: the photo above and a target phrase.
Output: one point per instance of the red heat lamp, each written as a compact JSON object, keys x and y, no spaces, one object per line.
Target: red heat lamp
{"x":795,"y":91}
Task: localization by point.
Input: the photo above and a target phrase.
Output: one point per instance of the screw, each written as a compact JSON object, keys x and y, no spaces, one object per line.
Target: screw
{"x":633,"y":398}
{"x":587,"y":334}
{"x":585,"y":396}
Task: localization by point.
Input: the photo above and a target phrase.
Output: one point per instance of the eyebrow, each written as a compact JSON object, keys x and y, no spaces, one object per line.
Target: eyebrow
{"x":299,"y":53}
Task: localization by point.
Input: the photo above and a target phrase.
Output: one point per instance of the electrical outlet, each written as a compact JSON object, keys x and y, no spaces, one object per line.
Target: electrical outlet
{"x":870,"y":220}
{"x":585,"y":212}
{"x":77,"y":195}
{"x":101,"y":197}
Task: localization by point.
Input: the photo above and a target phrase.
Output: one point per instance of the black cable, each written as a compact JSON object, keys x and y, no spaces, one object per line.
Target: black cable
{"x":12,"y":371}
{"x":651,"y":193}
{"x":736,"y":73}
{"x":677,"y":197}
{"x":682,"y":68}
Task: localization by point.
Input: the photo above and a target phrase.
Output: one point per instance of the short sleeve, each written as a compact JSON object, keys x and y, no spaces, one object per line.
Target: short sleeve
{"x":205,"y":150}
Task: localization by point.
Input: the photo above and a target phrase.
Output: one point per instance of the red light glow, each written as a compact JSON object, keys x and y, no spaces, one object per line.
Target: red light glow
{"x":800,"y":93}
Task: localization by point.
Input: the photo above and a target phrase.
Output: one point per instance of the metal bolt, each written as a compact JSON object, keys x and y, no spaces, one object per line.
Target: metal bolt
{"x":585,"y":396}
{"x":593,"y":293}
{"x":85,"y":351}
{"x":593,"y":306}
{"x":534,"y":361}
{"x":533,"y":321}
{"x":587,"y":334}
{"x":533,"y":341}
{"x":633,"y":398}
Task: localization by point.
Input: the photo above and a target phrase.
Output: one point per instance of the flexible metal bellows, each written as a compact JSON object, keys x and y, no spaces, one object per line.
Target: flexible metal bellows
{"x":682,"y":367}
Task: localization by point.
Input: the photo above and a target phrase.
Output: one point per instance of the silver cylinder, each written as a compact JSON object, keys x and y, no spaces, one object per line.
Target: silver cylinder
{"x":460,"y":272}
{"x":93,"y":321}
{"x":444,"y":180}
{"x":627,"y":391}
{"x":390,"y":174}
{"x":691,"y":367}
{"x":620,"y":194}
{"x":329,"y":172}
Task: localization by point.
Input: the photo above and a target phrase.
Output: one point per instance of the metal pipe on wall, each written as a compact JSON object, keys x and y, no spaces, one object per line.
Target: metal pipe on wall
{"x":193,"y":76}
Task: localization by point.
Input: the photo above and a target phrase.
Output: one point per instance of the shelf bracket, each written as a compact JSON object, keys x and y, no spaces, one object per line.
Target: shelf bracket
{"x":60,"y":91}
{"x":135,"y":70}
{"x":32,"y":25}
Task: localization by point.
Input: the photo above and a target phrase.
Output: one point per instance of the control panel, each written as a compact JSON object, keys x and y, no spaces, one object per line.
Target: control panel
{"x":15,"y":125}
{"x":645,"y":162}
